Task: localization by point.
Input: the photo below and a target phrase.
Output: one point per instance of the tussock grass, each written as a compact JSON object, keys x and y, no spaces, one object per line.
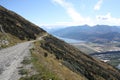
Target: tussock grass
{"x":12,"y":40}
{"x":43,"y":73}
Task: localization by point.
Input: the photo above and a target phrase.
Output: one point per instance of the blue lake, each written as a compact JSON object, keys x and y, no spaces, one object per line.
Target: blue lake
{"x":70,"y":40}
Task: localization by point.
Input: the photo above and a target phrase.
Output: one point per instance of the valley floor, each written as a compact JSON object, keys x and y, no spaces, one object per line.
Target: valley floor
{"x":109,"y":52}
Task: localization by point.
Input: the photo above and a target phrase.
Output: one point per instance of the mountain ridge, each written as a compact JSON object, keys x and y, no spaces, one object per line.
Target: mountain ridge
{"x":98,"y":33}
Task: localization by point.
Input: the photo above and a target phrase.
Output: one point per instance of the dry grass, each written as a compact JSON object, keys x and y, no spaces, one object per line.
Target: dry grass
{"x":54,"y":65}
{"x":12,"y":40}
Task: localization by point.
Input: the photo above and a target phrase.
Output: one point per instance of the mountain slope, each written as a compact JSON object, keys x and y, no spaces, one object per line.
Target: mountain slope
{"x":98,"y":33}
{"x":67,"y":60}
{"x":16,"y":25}
{"x":79,"y":62}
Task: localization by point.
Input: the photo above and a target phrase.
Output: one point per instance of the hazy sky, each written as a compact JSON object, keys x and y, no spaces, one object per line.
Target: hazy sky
{"x":67,"y":12}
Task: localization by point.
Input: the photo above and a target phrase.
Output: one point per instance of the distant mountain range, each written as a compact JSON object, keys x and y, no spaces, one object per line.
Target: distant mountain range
{"x":98,"y":33}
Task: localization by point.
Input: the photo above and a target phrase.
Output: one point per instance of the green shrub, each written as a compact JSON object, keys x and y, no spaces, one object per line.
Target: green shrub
{"x":45,"y":54}
{"x":23,"y":71}
{"x":26,"y":61}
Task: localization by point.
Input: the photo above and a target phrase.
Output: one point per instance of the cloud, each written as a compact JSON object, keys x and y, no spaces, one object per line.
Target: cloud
{"x":78,"y":19}
{"x":70,"y":10}
{"x":74,"y":15}
{"x":107,"y":19}
{"x":98,"y":5}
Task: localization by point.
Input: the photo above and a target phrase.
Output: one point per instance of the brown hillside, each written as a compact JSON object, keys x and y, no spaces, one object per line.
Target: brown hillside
{"x":79,"y":62}
{"x":18,"y":26}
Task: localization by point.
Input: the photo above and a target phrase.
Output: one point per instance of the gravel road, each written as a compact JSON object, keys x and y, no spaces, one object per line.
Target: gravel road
{"x":10,"y":60}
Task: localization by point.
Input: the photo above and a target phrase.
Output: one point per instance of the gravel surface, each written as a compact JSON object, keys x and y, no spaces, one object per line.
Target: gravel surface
{"x":10,"y":60}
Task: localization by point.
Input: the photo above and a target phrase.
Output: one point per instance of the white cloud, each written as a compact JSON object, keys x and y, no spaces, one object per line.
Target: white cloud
{"x":107,"y":19}
{"x":98,"y":5}
{"x":75,"y":16}
{"x":78,"y":19}
{"x":70,"y":10}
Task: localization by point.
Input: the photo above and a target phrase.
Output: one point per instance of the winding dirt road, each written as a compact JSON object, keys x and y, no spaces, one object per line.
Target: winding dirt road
{"x":11,"y":58}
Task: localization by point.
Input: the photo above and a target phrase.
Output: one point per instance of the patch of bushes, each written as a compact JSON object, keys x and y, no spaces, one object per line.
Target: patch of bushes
{"x":45,"y":54}
{"x":23,"y":71}
{"x":26,"y":61}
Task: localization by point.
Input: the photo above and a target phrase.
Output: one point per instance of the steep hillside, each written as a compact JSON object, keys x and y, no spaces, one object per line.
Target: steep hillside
{"x":98,"y":33}
{"x":18,"y":26}
{"x":79,"y":62}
